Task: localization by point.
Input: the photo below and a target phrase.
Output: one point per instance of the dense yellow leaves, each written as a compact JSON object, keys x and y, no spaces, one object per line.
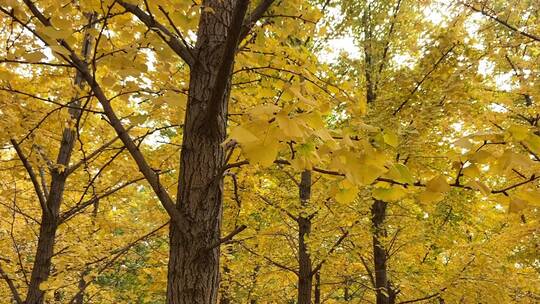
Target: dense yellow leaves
{"x":457,"y":164}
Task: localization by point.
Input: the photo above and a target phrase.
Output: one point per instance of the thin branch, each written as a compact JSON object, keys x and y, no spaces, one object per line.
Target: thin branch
{"x":426,"y":76}
{"x":277,"y":264}
{"x":255,"y":16}
{"x":41,"y":197}
{"x":93,"y":154}
{"x":12,"y":287}
{"x":116,"y":255}
{"x":438,"y":293}
{"x":177,"y":44}
{"x":79,"y":207}
{"x":334,"y":247}
{"x":502,"y":22}
{"x":228,"y":237}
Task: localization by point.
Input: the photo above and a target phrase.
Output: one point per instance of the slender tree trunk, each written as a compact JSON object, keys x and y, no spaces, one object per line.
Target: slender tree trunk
{"x":317,"y":297}
{"x":50,"y":216}
{"x":385,"y":293}
{"x":193,"y":271}
{"x":305,"y":273}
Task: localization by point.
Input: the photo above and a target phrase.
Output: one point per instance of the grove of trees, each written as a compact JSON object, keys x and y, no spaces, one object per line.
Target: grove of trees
{"x":269,"y":151}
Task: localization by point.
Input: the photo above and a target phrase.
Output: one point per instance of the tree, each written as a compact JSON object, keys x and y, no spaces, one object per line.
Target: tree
{"x":428,"y":124}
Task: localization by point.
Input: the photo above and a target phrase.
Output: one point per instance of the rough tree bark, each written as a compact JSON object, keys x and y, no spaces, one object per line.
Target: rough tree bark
{"x":193,"y":276}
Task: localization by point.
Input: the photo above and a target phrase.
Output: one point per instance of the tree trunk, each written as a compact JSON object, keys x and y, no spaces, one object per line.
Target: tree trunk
{"x":305,"y":273}
{"x":193,"y":271}
{"x":50,"y":212}
{"x":317,"y":299}
{"x":384,"y":292}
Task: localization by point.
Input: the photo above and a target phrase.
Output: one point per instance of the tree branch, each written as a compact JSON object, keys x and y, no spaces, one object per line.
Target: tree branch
{"x":41,"y":197}
{"x":502,"y":22}
{"x":228,"y":237}
{"x":255,"y":16}
{"x":11,"y":285}
{"x":177,"y":44}
{"x":226,"y":63}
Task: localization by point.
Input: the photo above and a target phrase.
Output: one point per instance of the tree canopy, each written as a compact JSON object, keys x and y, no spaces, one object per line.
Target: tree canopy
{"x":269,"y":151}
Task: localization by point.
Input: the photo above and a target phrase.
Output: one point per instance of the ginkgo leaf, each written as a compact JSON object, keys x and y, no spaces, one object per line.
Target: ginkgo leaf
{"x":261,"y":153}
{"x":391,"y":194}
{"x":430,"y":197}
{"x":519,"y":132}
{"x":533,"y":142}
{"x":138,"y":119}
{"x":242,"y":135}
{"x":264,"y":111}
{"x":516,"y":205}
{"x":56,"y":33}
{"x":472,"y":171}
{"x":34,"y":56}
{"x":390,"y":138}
{"x":438,"y":184}
{"x":347,"y":192}
{"x":288,"y":126}
{"x":296,"y":92}
{"x":464,"y":143}
{"x":477,"y":185}
{"x":400,"y":173}
{"x":532,"y":196}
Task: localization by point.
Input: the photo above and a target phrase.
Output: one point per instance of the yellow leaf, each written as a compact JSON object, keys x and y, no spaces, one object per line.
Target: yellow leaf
{"x":347,"y":192}
{"x":438,"y":184}
{"x":530,"y":195}
{"x":288,"y":126}
{"x":390,"y":138}
{"x":261,"y":153}
{"x":138,"y":119}
{"x":391,"y":194}
{"x":242,"y":135}
{"x":430,"y":197}
{"x":53,"y":33}
{"x":400,"y":173}
{"x":296,"y":91}
{"x":477,"y":185}
{"x":533,"y":142}
{"x":34,"y":56}
{"x":44,"y":286}
{"x":516,"y":205}
{"x":472,"y":171}
{"x":519,"y":132}
{"x":60,"y":50}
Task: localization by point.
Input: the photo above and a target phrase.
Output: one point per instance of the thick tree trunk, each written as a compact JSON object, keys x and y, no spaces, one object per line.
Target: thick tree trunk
{"x":305,"y":273}
{"x":193,"y":276}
